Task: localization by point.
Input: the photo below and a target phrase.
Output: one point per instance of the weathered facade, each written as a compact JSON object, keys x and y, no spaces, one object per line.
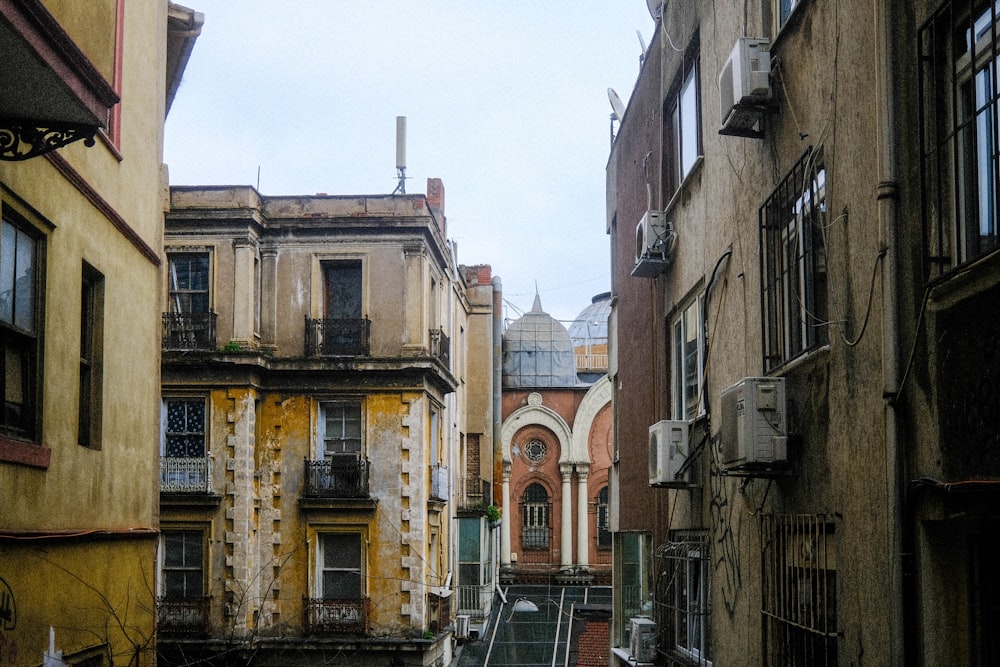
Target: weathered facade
{"x":85,"y":94}
{"x":803,"y":335}
{"x":326,"y":381}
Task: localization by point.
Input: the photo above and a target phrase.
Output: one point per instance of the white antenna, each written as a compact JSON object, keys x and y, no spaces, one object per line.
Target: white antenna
{"x":400,"y":155}
{"x":642,"y":43}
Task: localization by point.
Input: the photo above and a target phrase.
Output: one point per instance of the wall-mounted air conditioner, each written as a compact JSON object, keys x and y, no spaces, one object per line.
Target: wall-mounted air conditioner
{"x":754,"y":425}
{"x":668,"y":450}
{"x":654,"y":245}
{"x":745,"y":87}
{"x":642,"y":640}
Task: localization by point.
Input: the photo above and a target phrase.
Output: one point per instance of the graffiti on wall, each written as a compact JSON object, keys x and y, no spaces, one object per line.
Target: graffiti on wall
{"x":8,"y":621}
{"x":727,"y":528}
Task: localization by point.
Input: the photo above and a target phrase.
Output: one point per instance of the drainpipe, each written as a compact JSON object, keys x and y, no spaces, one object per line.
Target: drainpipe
{"x":887,"y":205}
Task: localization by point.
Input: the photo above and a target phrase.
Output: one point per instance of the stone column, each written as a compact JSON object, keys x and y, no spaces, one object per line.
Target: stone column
{"x":245,"y":293}
{"x":566,"y":538}
{"x":268,"y":295}
{"x":582,"y":523}
{"x":508,"y":516}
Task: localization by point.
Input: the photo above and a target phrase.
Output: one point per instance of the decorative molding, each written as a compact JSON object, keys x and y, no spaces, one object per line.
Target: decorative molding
{"x":23,"y":140}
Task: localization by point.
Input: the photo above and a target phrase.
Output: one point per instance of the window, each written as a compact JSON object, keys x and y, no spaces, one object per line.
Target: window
{"x":91,"y":357}
{"x":683,"y":129}
{"x":20,"y":339}
{"x":682,"y":599}
{"x":630,"y":580}
{"x":785,"y":9}
{"x":960,"y":107}
{"x":793,"y":263}
{"x":342,"y":281}
{"x":603,"y":527}
{"x":341,"y":429}
{"x":188,"y":282}
{"x":799,"y":596}
{"x":184,"y":464}
{"x":535,"y":518}
{"x":340,"y":573}
{"x":688,"y":361}
{"x":183,"y":564}
{"x":189,"y":322}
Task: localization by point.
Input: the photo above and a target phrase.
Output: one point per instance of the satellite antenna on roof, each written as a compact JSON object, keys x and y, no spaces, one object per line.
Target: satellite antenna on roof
{"x":617,"y":111}
{"x":642,"y":44}
{"x":400,"y":155}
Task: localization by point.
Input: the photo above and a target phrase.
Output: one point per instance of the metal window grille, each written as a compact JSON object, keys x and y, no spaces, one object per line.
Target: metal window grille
{"x":799,"y":596}
{"x":793,"y":263}
{"x":959,"y":100}
{"x":681,"y":599}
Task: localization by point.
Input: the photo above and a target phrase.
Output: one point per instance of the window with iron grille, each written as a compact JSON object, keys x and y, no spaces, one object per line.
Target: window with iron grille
{"x":960,"y":153}
{"x":681,"y":599}
{"x":799,"y":596}
{"x":184,"y":427}
{"x":535,"y":512}
{"x":603,"y":526}
{"x":793,"y":263}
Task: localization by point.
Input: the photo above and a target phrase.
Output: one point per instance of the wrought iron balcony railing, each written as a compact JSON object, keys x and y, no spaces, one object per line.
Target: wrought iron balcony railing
{"x":339,"y":477}
{"x":189,"y":331}
{"x":338,"y":338}
{"x":474,"y":600}
{"x":185,"y":475}
{"x":439,"y":483}
{"x":336,"y":616}
{"x":183,"y":616}
{"x":441,"y":347}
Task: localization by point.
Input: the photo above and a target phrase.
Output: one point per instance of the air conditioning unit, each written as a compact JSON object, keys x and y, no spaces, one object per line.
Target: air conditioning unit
{"x":642,"y":640}
{"x":745,"y":87}
{"x":462,"y":626}
{"x":754,"y":425}
{"x":668,"y":450}
{"x":654,"y":245}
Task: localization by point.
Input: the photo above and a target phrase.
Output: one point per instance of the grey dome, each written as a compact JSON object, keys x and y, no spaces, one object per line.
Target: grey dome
{"x":538,"y":352}
{"x":591,"y":325}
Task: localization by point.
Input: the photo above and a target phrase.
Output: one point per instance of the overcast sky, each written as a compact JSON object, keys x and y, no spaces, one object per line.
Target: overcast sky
{"x":506,"y":102}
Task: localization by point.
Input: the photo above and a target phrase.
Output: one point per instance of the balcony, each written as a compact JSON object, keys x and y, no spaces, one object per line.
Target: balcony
{"x":184,"y":616}
{"x":439,"y":483}
{"x":335,"y":617}
{"x":189,"y":331}
{"x":441,"y":347}
{"x":474,"y":600}
{"x":185,"y":475}
{"x":339,"y":477}
{"x":338,"y":338}
{"x":472,"y":493}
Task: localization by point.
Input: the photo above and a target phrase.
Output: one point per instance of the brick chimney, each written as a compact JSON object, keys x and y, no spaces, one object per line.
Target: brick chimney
{"x":435,"y":200}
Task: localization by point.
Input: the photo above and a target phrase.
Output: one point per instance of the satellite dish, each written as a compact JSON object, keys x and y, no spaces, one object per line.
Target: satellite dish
{"x":655,"y":8}
{"x":642,"y":42}
{"x":616,"y":104}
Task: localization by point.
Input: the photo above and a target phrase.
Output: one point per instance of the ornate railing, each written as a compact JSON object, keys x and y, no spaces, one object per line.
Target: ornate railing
{"x":338,"y":338}
{"x":185,"y":475}
{"x":339,"y":477}
{"x":184,"y":616}
{"x":441,"y":346}
{"x":188,"y":331}
{"x":472,"y":493}
{"x":439,"y":483}
{"x":536,"y":544}
{"x":592,"y":362}
{"x":335,"y":616}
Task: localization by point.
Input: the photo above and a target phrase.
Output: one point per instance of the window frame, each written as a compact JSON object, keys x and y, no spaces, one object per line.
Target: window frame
{"x":681,"y":397}
{"x":683,"y":595}
{"x":27,"y":343}
{"x":324,"y":538}
{"x":201,"y":569}
{"x":536,"y":518}
{"x":164,"y":425}
{"x":682,"y":118}
{"x":794,"y":294}
{"x":322,"y":433}
{"x":954,"y":166}
{"x":602,"y":525}
{"x":91,"y":402}
{"x":179,"y":298}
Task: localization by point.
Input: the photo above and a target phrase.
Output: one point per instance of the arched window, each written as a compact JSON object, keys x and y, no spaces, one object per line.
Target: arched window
{"x":603,"y":531}
{"x":535,"y":510}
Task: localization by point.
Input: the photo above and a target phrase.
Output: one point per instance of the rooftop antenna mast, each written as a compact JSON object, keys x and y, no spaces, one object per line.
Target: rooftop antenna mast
{"x":400,"y":155}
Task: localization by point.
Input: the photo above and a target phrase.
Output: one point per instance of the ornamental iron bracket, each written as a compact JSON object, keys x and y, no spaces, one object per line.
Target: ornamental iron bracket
{"x":23,"y":140}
